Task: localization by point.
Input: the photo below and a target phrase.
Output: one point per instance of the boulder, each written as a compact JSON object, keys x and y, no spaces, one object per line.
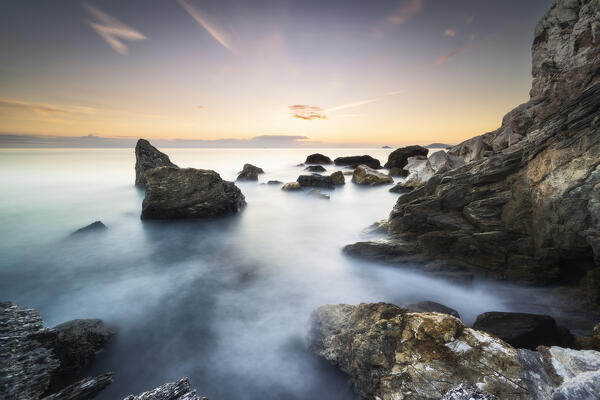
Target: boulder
{"x":338,"y":178}
{"x":249,"y":173}
{"x":399,"y":157}
{"x":468,"y":392}
{"x":317,"y":158}
{"x":441,"y":161}
{"x":526,"y":331}
{"x":354,"y":161}
{"x":96,"y":226}
{"x":315,"y":168}
{"x":291,"y":186}
{"x":317,"y":193}
{"x":180,"y":390}
{"x":274,"y":182}
{"x":316,"y":180}
{"x":189,"y":193}
{"x":471,"y":150}
{"x":146,"y":158}
{"x":364,"y":175}
{"x":431,"y":306}
{"x":420,"y":171}
{"x":391,"y":354}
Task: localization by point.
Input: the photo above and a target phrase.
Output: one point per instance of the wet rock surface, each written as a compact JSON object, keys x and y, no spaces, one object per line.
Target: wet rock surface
{"x":180,"y":390}
{"x":431,"y":306}
{"x":354,"y":161}
{"x":146,"y":158}
{"x":365,"y":175}
{"x":315,"y":168}
{"x":250,"y":173}
{"x":173,"y":193}
{"x":291,"y":186}
{"x":338,"y":178}
{"x":316,"y":180}
{"x":399,"y":157}
{"x":318,"y":194}
{"x":317,"y":158}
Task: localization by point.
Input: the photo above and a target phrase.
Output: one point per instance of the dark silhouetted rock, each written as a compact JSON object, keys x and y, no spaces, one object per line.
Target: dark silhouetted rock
{"x":354,"y":161}
{"x":524,"y":331}
{"x":400,"y":188}
{"x":316,"y":180}
{"x":338,"y":178}
{"x":399,"y":157}
{"x":179,"y":390}
{"x":189,"y":193}
{"x":315,"y":168}
{"x":317,"y":158}
{"x":97,"y":226}
{"x":146,"y":158}
{"x":431,"y":306}
{"x":274,"y":182}
{"x":85,"y":389}
{"x":249,"y":173}
{"x":364,"y":175}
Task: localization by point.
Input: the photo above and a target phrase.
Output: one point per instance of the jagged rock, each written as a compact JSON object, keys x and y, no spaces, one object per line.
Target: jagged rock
{"x":441,"y":161}
{"x":521,"y":330}
{"x":468,"y":392}
{"x":561,"y":374}
{"x":249,"y":173}
{"x":291,"y":186}
{"x":399,"y":157}
{"x":189,"y":193}
{"x":179,"y":390}
{"x":315,"y":168}
{"x":96,"y":226}
{"x":364,"y":175}
{"x":317,"y":158}
{"x":391,"y":354}
{"x":395,"y":171}
{"x":420,"y":171}
{"x":338,"y":178}
{"x":274,"y":182}
{"x":529,"y":212}
{"x":400,"y":188}
{"x":317,"y":193}
{"x":431,"y":306}
{"x":354,"y":161}
{"x":316,"y":180}
{"x":146,"y":158}
{"x":29,"y":361}
{"x":85,"y":389}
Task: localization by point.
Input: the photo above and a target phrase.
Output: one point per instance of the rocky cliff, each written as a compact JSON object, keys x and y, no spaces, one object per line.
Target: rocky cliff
{"x":526,"y":206}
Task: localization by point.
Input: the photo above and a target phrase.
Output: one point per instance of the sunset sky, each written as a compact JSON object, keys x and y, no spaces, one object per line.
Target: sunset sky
{"x":364,"y":72}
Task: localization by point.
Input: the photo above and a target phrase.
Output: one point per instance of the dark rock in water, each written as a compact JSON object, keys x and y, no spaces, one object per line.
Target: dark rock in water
{"x":317,"y":158}
{"x":249,"y":173}
{"x":85,"y":389}
{"x":317,"y":193}
{"x":354,"y":161}
{"x":525,"y":331}
{"x":146,"y":158}
{"x":75,"y":344}
{"x":189,"y":193}
{"x":387,"y":251}
{"x":468,"y":392}
{"x":592,"y":286}
{"x":392,"y":354}
{"x":399,"y":157}
{"x":560,"y":374}
{"x":97,"y":226}
{"x":29,"y":362}
{"x":316,"y":180}
{"x":315,"y":168}
{"x":364,"y":175}
{"x":274,"y":182}
{"x":431,"y":306}
{"x":179,"y":390}
{"x":386,"y":147}
{"x":338,"y":178}
{"x":291,"y":187}
{"x":399,"y":188}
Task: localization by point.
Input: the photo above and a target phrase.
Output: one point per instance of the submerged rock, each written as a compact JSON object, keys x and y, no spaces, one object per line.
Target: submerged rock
{"x":399,"y":157}
{"x":354,"y":161}
{"x":146,"y":158}
{"x":292,"y":186}
{"x":249,"y":173}
{"x":523,"y":330}
{"x":179,"y":390}
{"x":364,"y":175}
{"x":189,"y":193}
{"x":431,"y":306}
{"x":274,"y":182}
{"x":317,"y":158}
{"x":338,"y":178}
{"x":96,"y":226}
{"x":315,"y":168}
{"x":316,"y":180}
{"x":391,"y":354}
{"x":317,"y":193}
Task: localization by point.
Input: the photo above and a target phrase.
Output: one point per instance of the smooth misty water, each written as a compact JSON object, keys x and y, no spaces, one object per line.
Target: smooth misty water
{"x":224,"y":301}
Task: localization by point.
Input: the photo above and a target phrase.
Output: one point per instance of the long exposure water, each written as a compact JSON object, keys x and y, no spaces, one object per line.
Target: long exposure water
{"x":224,"y":301}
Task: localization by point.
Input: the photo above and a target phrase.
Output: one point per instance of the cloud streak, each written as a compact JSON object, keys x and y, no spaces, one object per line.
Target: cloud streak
{"x":449,"y":32}
{"x":405,"y":11}
{"x":210,"y":27}
{"x":45,"y":110}
{"x":446,"y":57}
{"x":112,"y":30}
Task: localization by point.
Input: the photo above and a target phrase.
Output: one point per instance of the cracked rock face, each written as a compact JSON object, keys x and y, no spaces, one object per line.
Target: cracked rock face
{"x":393,"y":354}
{"x":179,"y":390}
{"x":146,"y":158}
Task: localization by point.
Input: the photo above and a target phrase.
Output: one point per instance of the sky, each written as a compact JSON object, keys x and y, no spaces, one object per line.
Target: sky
{"x":340,"y":71}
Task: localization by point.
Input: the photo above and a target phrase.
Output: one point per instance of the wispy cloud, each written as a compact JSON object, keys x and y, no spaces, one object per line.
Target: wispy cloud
{"x":200,"y":107}
{"x":112,"y":30}
{"x":469,"y":19}
{"x":446,"y":57}
{"x":449,"y":32}
{"x":351,"y":105}
{"x":307,"y":112}
{"x":218,"y":34}
{"x":44,"y":109}
{"x":405,"y":11}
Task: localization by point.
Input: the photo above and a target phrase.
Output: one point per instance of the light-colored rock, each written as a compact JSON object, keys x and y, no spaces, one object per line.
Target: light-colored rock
{"x":364,"y":175}
{"x":291,"y":186}
{"x":442,"y":161}
{"x":468,"y":392}
{"x":392,"y":354}
{"x":180,"y":390}
{"x":420,"y":171}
